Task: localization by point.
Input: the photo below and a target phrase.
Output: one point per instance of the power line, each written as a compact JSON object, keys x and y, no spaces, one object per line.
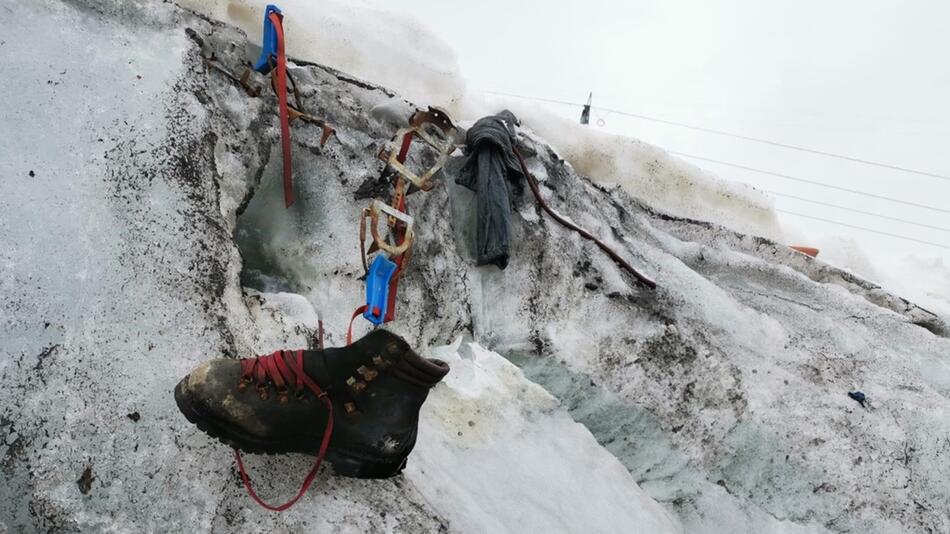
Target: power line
{"x":813,"y":182}
{"x":816,"y":113}
{"x":562,"y":102}
{"x":794,"y":178}
{"x":898,"y":236}
{"x":738,"y":136}
{"x":872,"y":214}
{"x":783,"y":145}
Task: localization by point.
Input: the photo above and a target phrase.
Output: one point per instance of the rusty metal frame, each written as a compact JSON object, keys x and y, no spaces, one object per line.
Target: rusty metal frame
{"x":372,"y":213}
{"x":244,"y":81}
{"x":436,"y":120}
{"x":327,"y":129}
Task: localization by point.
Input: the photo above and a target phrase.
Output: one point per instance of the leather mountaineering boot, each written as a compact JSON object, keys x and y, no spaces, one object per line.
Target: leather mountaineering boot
{"x":283,"y":402}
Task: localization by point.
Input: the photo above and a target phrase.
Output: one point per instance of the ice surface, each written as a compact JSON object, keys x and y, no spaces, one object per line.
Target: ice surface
{"x":119,"y":274}
{"x":723,"y":393}
{"x":496,"y":451}
{"x":923,"y":280}
{"x":728,"y":384}
{"x":637,"y":438}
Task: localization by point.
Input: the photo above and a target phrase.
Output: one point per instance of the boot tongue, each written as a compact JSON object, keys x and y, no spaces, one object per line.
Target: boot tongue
{"x":409,"y":366}
{"x":421,"y":371}
{"x":315,"y":364}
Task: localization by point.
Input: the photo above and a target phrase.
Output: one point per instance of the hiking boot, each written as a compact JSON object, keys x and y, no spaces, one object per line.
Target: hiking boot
{"x":375,"y":387}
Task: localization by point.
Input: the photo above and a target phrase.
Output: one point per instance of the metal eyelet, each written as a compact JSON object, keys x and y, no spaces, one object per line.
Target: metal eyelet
{"x":243,"y":383}
{"x":367,"y":373}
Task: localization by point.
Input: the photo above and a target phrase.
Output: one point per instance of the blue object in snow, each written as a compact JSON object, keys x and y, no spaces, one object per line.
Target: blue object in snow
{"x":377,"y":289}
{"x":858,"y":396}
{"x":269,"y":42}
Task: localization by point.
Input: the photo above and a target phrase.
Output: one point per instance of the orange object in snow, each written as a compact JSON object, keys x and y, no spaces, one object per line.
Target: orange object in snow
{"x":811,"y":251}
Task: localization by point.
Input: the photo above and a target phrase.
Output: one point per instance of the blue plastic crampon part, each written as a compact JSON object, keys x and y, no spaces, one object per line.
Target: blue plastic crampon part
{"x":377,"y":289}
{"x":269,"y":42}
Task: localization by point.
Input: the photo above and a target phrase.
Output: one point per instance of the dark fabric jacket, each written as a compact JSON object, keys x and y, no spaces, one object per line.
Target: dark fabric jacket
{"x":493,"y":173}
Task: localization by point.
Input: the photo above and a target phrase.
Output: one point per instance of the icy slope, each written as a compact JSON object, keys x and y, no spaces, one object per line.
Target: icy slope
{"x":735,"y":371}
{"x":496,"y":452}
{"x":536,"y":470}
{"x":925,"y":280}
{"x":127,"y":164}
{"x":360,"y":37}
{"x":722,"y":393}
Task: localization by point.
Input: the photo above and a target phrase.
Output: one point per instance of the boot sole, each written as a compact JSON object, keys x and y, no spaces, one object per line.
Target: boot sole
{"x":344,"y":464}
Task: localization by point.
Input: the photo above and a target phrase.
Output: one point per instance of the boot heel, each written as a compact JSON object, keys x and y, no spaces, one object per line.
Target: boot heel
{"x":353,"y":467}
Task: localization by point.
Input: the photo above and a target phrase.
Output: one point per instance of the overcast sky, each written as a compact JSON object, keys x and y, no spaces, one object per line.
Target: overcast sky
{"x":866,"y":79}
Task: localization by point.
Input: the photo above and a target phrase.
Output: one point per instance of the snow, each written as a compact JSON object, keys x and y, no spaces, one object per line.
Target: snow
{"x":359,"y":38}
{"x":662,"y":470}
{"x":716,"y":403}
{"x":923,"y":280}
{"x":647,"y":172}
{"x":362,"y":38}
{"x":488,"y":434}
{"x":133,"y":280}
{"x":735,"y":371}
{"x":119,"y":275}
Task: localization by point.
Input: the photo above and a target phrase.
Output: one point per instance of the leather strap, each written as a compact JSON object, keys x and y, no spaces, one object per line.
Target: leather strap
{"x":281,"y":82}
{"x":584,"y":233}
{"x":349,"y":331}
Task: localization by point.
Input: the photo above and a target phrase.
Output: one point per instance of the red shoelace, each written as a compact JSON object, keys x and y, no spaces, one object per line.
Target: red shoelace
{"x":285,"y":370}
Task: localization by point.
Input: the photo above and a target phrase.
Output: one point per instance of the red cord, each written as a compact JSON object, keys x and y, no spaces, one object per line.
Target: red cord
{"x":284,"y":114}
{"x":282,"y":370}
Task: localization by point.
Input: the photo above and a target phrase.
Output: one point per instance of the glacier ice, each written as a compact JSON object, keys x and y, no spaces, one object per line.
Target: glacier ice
{"x":719,"y":401}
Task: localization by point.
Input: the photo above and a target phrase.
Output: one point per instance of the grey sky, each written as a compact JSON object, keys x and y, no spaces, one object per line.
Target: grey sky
{"x":867,"y":79}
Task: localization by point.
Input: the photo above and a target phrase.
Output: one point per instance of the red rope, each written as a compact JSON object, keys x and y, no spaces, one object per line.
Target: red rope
{"x":282,"y":370}
{"x":276,"y":367}
{"x":284,"y":114}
